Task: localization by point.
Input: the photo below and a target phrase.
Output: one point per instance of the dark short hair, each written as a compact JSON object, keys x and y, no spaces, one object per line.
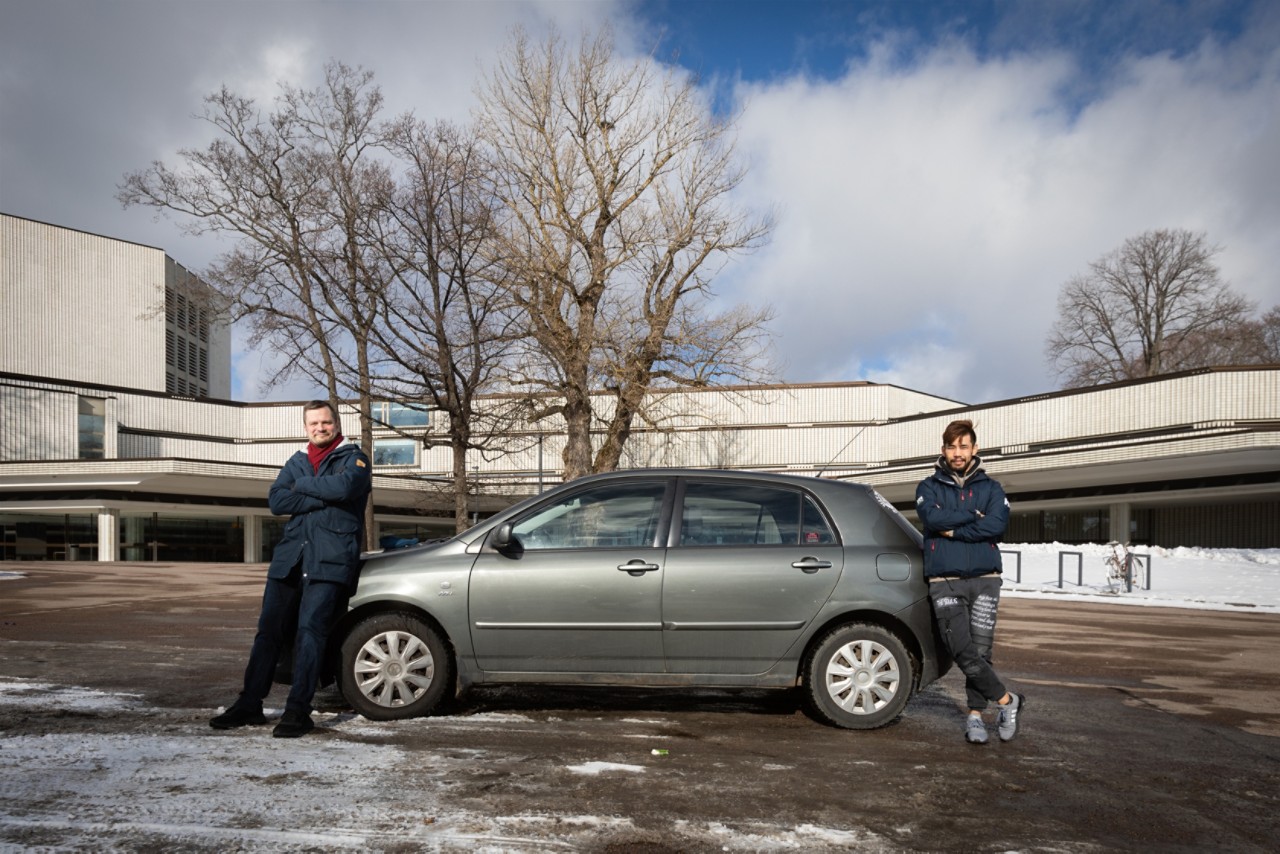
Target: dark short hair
{"x":957,"y":430}
{"x":319,"y":404}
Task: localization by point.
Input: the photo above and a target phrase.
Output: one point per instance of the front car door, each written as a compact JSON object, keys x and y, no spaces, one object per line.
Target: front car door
{"x":749,"y":566}
{"x":581,"y":589}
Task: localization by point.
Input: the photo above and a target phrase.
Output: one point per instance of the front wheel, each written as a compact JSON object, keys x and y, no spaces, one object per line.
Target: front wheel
{"x":394,"y":666}
{"x":859,"y":677}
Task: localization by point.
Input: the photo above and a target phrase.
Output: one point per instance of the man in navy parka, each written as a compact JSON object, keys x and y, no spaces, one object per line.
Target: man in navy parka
{"x":314,"y":568}
{"x":965,"y":513}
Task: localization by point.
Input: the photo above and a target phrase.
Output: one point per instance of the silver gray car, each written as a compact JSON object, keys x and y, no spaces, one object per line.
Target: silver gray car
{"x":655,"y":577}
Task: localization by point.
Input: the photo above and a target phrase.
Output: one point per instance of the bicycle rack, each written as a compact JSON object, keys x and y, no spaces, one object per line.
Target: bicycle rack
{"x":1142,"y":560}
{"x":1017,"y":577}
{"x":1079,"y":556}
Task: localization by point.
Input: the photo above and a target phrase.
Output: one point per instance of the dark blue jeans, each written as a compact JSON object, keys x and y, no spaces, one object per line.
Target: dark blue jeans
{"x":965,"y":611}
{"x":317,"y":606}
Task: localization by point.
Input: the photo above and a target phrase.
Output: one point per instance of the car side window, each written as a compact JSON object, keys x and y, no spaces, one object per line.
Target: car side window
{"x":815,"y":529}
{"x":736,"y":514}
{"x":606,"y":516}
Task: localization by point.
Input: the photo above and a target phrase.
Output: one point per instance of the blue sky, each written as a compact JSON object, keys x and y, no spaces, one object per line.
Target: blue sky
{"x":762,"y":39}
{"x":938,"y":170}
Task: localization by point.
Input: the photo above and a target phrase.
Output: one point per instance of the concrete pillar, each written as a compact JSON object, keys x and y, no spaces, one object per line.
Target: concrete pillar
{"x":252,"y":526}
{"x":108,"y":535}
{"x":1120,"y":518}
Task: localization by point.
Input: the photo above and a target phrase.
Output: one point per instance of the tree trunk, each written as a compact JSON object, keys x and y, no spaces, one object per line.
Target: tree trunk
{"x":461,"y":488}
{"x":577,"y":445}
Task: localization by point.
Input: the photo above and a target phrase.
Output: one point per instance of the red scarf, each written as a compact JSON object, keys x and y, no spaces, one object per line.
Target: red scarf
{"x":317,"y":454}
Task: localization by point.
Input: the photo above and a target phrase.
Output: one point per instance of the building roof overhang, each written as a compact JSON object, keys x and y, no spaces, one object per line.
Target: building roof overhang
{"x":199,"y":482}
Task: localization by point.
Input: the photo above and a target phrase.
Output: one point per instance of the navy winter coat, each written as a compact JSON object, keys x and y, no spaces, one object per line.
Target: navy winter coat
{"x":943,"y":504}
{"x":326,"y":509}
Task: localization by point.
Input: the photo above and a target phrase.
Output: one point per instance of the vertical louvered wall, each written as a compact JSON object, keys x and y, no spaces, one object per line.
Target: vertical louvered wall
{"x":36,"y":424}
{"x":79,"y":301}
{"x":88,"y":308}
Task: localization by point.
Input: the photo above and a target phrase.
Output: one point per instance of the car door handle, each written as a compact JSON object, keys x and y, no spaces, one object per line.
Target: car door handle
{"x":811,"y":564}
{"x":638,"y":567}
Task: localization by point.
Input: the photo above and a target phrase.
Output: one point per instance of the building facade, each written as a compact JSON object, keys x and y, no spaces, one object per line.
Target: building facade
{"x":124,"y":446}
{"x":1190,"y":459}
{"x":131,"y":311}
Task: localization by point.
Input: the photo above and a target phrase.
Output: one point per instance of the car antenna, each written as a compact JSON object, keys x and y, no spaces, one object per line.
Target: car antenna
{"x":841,"y":451}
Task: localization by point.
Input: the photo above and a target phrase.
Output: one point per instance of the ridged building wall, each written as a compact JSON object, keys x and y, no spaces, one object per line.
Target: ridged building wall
{"x":853,"y":430}
{"x":92,"y":309}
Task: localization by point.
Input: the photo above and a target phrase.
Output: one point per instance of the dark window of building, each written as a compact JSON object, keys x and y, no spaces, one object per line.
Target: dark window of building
{"x":272,"y":534}
{"x":181,"y":538}
{"x":1227,"y":525}
{"x":394,"y":452}
{"x":402,"y":415}
{"x":92,"y":427}
{"x":1070,"y":527}
{"x":35,"y":536}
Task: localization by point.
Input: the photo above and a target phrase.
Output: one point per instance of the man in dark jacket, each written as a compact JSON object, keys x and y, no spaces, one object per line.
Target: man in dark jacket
{"x":314,"y":568}
{"x":964,"y":513}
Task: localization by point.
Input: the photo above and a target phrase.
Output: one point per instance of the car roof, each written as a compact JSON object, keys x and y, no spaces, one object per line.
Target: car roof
{"x":798,"y":480}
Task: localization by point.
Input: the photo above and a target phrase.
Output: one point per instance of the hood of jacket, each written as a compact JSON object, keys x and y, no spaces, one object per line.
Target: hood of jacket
{"x":942,"y":471}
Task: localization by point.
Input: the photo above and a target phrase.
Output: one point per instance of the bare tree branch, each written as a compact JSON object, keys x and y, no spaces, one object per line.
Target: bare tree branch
{"x":1153,"y":306}
{"x":614,"y":182}
{"x":446,"y":329}
{"x":302,"y":187}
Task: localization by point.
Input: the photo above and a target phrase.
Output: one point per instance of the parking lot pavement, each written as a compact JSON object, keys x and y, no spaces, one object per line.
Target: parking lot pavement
{"x":1146,"y":728}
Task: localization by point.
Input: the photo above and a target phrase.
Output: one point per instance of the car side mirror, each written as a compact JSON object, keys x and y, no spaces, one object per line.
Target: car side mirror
{"x":503,"y":538}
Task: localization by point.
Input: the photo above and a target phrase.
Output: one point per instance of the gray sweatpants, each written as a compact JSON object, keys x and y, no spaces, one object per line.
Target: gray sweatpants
{"x":965,"y":611}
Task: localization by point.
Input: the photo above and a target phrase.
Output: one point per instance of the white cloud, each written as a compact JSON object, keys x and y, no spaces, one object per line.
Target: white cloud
{"x":932,"y":211}
{"x":925,"y":209}
{"x":923,"y":362}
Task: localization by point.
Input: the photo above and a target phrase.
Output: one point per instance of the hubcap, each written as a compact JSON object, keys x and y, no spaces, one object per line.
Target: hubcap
{"x":862,"y":676}
{"x":394,"y":668}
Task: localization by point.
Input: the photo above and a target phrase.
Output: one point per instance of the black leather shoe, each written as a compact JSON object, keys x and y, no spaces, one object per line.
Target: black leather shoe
{"x":237,"y":716}
{"x":293,"y":725}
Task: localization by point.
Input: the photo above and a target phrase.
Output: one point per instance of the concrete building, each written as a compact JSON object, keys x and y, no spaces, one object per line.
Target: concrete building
{"x":102,"y":457}
{"x":131,"y":311}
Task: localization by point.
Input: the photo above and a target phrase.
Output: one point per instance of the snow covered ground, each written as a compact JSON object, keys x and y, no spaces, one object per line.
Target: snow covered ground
{"x":160,"y":780}
{"x":1214,"y":579}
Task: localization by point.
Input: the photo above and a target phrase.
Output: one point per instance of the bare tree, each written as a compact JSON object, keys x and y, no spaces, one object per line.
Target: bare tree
{"x":1144,"y":309}
{"x":302,"y":188}
{"x":615,"y":183}
{"x":1269,"y":333}
{"x":1248,"y":342}
{"x":447,"y":332}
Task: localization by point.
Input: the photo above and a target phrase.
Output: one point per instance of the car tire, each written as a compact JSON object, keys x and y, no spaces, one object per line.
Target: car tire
{"x":859,"y":676}
{"x":395,"y":666}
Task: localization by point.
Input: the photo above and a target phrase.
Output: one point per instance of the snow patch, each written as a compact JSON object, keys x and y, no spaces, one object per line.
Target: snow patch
{"x":594,"y":768}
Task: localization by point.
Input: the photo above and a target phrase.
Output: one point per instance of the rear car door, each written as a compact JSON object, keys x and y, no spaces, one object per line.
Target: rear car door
{"x":749,"y":566}
{"x":582,"y":593}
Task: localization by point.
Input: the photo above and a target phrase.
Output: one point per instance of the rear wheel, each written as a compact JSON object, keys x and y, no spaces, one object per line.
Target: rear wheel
{"x":395,"y":666}
{"x":859,"y":677}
